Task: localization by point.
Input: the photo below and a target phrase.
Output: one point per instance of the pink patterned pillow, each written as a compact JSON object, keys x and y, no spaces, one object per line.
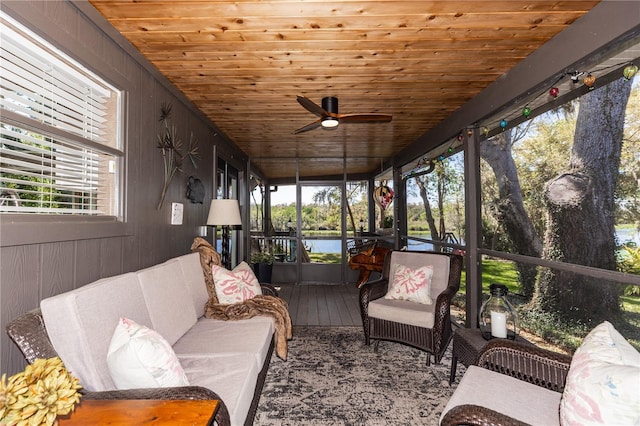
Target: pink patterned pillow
{"x":603,"y":383}
{"x":235,"y":286}
{"x":411,"y":284}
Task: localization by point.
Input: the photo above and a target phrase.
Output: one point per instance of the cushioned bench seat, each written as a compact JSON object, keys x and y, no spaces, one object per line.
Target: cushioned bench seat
{"x":227,"y":357}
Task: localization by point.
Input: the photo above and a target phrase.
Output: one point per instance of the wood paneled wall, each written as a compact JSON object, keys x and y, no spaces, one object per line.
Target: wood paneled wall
{"x":31,"y":272}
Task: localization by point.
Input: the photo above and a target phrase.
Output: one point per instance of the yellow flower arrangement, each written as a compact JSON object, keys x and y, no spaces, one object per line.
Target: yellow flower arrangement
{"x":39,"y":394}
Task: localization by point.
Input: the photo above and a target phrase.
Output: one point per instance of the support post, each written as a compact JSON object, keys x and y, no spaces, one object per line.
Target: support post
{"x":474,"y":227}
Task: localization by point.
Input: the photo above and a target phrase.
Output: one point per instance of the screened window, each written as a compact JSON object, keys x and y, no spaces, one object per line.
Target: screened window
{"x":436,"y":203}
{"x":59,"y":131}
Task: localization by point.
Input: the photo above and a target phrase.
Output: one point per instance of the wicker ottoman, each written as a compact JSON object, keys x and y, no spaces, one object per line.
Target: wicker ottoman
{"x":467,"y":345}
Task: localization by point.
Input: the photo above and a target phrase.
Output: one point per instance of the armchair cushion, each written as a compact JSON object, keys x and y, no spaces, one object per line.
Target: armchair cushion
{"x":403,"y":311}
{"x":603,"y":383}
{"x":515,"y":398}
{"x":410,"y":284}
{"x":415,"y":260}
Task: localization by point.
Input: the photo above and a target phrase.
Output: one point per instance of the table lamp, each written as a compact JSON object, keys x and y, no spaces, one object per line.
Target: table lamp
{"x":225,"y":213}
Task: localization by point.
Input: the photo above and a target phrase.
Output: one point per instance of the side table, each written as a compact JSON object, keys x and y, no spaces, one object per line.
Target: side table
{"x":141,"y":412}
{"x":467,"y":345}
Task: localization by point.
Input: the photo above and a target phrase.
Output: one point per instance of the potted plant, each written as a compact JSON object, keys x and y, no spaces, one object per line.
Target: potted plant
{"x":262,"y":262}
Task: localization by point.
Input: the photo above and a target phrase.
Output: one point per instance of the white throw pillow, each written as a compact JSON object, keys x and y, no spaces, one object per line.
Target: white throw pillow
{"x":411,"y":284}
{"x":603,"y":383}
{"x":139,"y":357}
{"x":235,"y":286}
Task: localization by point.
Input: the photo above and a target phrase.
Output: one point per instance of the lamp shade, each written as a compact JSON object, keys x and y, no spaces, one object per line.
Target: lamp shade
{"x":224,"y":212}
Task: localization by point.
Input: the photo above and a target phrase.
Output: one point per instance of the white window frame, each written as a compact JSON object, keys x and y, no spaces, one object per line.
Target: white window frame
{"x":86,"y":137}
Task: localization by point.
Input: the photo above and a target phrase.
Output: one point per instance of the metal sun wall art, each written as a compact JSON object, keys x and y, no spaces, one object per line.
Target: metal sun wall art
{"x":171,"y":148}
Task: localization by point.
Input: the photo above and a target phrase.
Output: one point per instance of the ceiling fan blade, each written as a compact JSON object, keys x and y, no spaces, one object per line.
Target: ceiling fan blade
{"x":364,"y":118}
{"x":311,"y":106}
{"x":308,"y":127}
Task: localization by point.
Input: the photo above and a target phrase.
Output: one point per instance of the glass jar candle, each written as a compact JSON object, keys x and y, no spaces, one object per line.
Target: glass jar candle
{"x":497,"y":318}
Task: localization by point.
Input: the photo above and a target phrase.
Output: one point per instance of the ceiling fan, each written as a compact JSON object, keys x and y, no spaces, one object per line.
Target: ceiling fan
{"x":329,"y":117}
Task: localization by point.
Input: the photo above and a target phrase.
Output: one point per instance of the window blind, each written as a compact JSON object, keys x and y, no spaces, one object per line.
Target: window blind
{"x":58,"y":131}
{"x":45,"y":175}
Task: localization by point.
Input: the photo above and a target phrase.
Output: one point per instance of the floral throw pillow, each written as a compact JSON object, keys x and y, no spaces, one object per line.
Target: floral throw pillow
{"x":411,"y":284}
{"x":235,"y":286}
{"x":139,"y":357}
{"x":603,"y":382}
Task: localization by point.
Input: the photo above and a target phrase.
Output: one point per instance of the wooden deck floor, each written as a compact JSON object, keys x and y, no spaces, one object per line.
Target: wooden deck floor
{"x":322,"y":305}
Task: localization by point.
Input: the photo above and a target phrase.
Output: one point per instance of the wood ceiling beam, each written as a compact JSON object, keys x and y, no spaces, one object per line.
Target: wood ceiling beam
{"x":415,"y":38}
{"x":336,"y":21}
{"x":213,"y":9}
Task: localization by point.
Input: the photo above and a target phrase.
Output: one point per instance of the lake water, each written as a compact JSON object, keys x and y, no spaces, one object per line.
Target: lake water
{"x":334,"y":246}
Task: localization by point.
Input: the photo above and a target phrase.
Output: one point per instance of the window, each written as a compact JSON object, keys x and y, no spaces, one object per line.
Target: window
{"x":60,"y":147}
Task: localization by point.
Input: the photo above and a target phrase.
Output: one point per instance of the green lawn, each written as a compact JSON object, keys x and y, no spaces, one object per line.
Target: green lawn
{"x":496,"y":271}
{"x":325,"y":257}
{"x":504,"y":272}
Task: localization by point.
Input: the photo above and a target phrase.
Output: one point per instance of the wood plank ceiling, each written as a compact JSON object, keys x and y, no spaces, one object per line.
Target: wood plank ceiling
{"x":242,"y":63}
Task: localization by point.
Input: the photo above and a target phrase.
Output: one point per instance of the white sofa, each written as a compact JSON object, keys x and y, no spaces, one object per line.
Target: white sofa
{"x":228,"y":357}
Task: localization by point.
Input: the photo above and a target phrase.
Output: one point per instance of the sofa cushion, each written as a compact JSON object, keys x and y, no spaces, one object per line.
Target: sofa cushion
{"x":231,"y":376}
{"x":251,"y":336}
{"x":194,"y":279}
{"x":515,"y":398}
{"x":168,"y":300}
{"x":603,"y":383}
{"x":410,"y":284}
{"x":402,"y":311}
{"x":235,"y":286}
{"x":139,"y":357}
{"x":80,"y":324}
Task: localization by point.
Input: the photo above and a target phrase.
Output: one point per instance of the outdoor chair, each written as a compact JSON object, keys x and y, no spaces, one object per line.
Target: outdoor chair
{"x":516,"y":383}
{"x":398,"y":308}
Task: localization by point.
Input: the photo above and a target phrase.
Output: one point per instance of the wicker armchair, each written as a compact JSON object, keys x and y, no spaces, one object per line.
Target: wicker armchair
{"x":429,"y":326}
{"x":526,"y":363}
{"x":30,"y":335}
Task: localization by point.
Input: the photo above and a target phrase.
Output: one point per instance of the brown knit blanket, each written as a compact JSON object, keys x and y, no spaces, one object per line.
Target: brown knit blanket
{"x":264,"y":305}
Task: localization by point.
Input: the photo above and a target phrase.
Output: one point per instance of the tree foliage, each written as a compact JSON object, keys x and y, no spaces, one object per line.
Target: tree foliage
{"x":628,"y":188}
{"x":442,"y":193}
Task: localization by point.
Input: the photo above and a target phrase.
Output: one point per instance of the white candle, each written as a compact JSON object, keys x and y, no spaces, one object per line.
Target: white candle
{"x":498,"y":324}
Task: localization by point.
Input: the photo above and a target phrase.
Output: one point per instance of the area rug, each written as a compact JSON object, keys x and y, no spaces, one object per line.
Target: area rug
{"x":332,"y":378}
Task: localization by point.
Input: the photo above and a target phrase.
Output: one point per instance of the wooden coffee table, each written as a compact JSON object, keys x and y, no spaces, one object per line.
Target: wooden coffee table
{"x":141,"y":412}
{"x":467,"y":345}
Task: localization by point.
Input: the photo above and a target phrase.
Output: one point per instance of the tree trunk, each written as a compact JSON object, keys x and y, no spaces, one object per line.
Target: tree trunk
{"x":511,"y":213}
{"x":442,"y":232}
{"x":352,"y":219}
{"x":422,"y":185}
{"x":580,"y":206}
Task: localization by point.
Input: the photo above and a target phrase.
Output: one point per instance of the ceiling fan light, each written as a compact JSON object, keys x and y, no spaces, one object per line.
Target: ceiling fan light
{"x":329,"y":122}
